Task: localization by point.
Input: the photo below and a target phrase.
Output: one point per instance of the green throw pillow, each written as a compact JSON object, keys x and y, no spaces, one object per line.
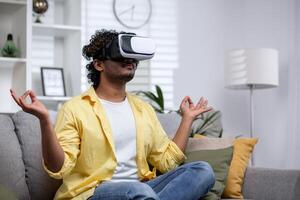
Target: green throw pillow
{"x":220,"y":160}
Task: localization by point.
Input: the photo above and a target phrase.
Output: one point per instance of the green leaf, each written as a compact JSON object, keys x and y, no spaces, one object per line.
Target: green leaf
{"x":150,"y":95}
{"x":221,"y":133}
{"x":153,"y":98}
{"x":160,"y":97}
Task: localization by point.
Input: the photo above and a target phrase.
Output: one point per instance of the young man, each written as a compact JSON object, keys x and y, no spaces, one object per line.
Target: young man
{"x":105,"y":139}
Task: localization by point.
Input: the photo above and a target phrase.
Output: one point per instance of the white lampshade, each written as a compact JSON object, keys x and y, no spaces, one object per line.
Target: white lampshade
{"x":256,"y":67}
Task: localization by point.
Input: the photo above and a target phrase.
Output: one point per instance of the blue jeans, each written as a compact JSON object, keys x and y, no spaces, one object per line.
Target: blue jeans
{"x":187,"y":182}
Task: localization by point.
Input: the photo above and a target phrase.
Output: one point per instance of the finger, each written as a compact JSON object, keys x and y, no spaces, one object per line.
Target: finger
{"x":24,"y":96}
{"x":200,"y":111}
{"x":204,"y":105}
{"x":32,"y":96}
{"x":207,"y":109}
{"x":199,"y":103}
{"x":14,"y":96}
{"x":23,"y":104}
{"x":184,"y":100}
{"x":191,"y":104}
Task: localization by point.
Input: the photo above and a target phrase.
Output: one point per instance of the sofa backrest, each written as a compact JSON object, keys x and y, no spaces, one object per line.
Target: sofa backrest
{"x":27,"y":156}
{"x":275,"y":184}
{"x":12,"y":168}
{"x":40,"y":185}
{"x":169,"y":122}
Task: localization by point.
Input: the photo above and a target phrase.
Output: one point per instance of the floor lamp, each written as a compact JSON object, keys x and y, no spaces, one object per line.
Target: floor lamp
{"x":251,"y":69}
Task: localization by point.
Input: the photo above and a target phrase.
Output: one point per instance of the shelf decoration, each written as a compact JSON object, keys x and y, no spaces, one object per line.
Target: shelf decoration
{"x":39,"y":8}
{"x":9,"y":49}
{"x":53,"y":81}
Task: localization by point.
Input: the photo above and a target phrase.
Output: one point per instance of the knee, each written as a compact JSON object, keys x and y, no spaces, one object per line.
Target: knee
{"x":140,"y":190}
{"x":204,"y":170}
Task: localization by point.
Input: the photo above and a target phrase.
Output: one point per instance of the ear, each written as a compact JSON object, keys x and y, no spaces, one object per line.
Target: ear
{"x":99,"y":65}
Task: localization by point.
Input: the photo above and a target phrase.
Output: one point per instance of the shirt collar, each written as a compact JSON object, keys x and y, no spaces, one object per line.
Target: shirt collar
{"x":90,"y":94}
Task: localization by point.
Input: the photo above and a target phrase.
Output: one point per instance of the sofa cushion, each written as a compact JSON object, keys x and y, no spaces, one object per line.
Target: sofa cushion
{"x":218,"y":153}
{"x":219,"y":159}
{"x":40,"y":185}
{"x":243,"y":148}
{"x":205,"y":143}
{"x":208,"y":124}
{"x":12,"y":169}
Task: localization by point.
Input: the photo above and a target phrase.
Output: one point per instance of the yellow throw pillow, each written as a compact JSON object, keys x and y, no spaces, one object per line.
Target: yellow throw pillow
{"x":243,"y":148}
{"x":199,"y":136}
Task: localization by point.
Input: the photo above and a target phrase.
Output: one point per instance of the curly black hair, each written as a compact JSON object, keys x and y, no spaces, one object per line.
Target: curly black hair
{"x":93,"y":51}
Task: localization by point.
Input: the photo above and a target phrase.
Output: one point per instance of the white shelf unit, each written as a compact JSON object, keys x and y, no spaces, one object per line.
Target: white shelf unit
{"x":53,"y":99}
{"x":13,"y":71}
{"x":18,"y":2}
{"x":54,"y":30}
{"x":11,"y":62}
{"x":60,"y":30}
{"x":56,"y":42}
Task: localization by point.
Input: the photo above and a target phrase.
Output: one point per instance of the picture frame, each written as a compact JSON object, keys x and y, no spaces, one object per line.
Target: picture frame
{"x":53,"y":81}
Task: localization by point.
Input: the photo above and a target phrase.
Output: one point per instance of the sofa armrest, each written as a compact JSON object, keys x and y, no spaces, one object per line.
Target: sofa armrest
{"x":263,"y":183}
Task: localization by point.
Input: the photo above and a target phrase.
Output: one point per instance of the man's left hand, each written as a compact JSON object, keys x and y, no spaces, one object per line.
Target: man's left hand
{"x":190,"y":111}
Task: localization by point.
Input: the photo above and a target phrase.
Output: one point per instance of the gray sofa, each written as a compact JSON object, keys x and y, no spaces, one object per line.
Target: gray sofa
{"x":22,"y":175}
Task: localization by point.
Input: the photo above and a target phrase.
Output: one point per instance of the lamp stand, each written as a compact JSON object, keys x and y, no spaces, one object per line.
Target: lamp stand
{"x":251,"y":87}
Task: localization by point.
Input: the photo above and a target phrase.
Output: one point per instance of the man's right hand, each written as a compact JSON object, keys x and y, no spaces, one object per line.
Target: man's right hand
{"x":35,"y":107}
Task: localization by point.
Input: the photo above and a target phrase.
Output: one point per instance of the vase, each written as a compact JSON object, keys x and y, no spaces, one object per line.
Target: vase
{"x":39,"y":8}
{"x":9,"y":49}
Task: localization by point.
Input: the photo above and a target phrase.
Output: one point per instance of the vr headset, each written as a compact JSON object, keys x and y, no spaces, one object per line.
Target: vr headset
{"x":129,"y":46}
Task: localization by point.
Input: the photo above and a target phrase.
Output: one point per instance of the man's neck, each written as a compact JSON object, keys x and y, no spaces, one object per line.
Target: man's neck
{"x":111,"y":92}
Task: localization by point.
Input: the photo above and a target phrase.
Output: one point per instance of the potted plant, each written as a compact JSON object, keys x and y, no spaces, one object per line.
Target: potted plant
{"x":208,"y":124}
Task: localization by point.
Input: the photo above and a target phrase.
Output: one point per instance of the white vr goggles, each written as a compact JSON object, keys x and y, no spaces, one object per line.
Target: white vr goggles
{"x":129,"y":46}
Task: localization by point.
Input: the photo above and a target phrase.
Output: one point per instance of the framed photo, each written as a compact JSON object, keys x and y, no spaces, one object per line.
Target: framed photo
{"x":53,"y":81}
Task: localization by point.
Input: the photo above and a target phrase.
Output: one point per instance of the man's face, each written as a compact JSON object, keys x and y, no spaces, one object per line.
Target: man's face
{"x":120,"y":70}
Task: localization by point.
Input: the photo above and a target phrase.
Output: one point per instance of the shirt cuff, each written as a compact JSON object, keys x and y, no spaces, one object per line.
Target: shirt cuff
{"x":61,"y":172}
{"x":176,"y":153}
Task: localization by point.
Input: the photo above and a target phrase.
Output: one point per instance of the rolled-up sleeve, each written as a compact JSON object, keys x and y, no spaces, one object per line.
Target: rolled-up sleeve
{"x":165,"y":154}
{"x":67,"y":132}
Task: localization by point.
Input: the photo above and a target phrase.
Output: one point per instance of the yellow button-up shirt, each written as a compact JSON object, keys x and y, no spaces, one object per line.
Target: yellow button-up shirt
{"x":84,"y":132}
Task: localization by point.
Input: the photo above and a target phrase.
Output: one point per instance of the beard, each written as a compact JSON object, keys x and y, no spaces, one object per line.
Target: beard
{"x":123,"y":78}
{"x":127,"y":78}
{"x":121,"y":72}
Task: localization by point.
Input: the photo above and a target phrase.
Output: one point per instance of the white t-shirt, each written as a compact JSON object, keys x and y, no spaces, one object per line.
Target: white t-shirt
{"x":122,"y":123}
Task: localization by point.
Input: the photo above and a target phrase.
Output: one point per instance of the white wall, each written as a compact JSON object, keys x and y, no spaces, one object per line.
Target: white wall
{"x":207,"y":28}
{"x":295,"y":100}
